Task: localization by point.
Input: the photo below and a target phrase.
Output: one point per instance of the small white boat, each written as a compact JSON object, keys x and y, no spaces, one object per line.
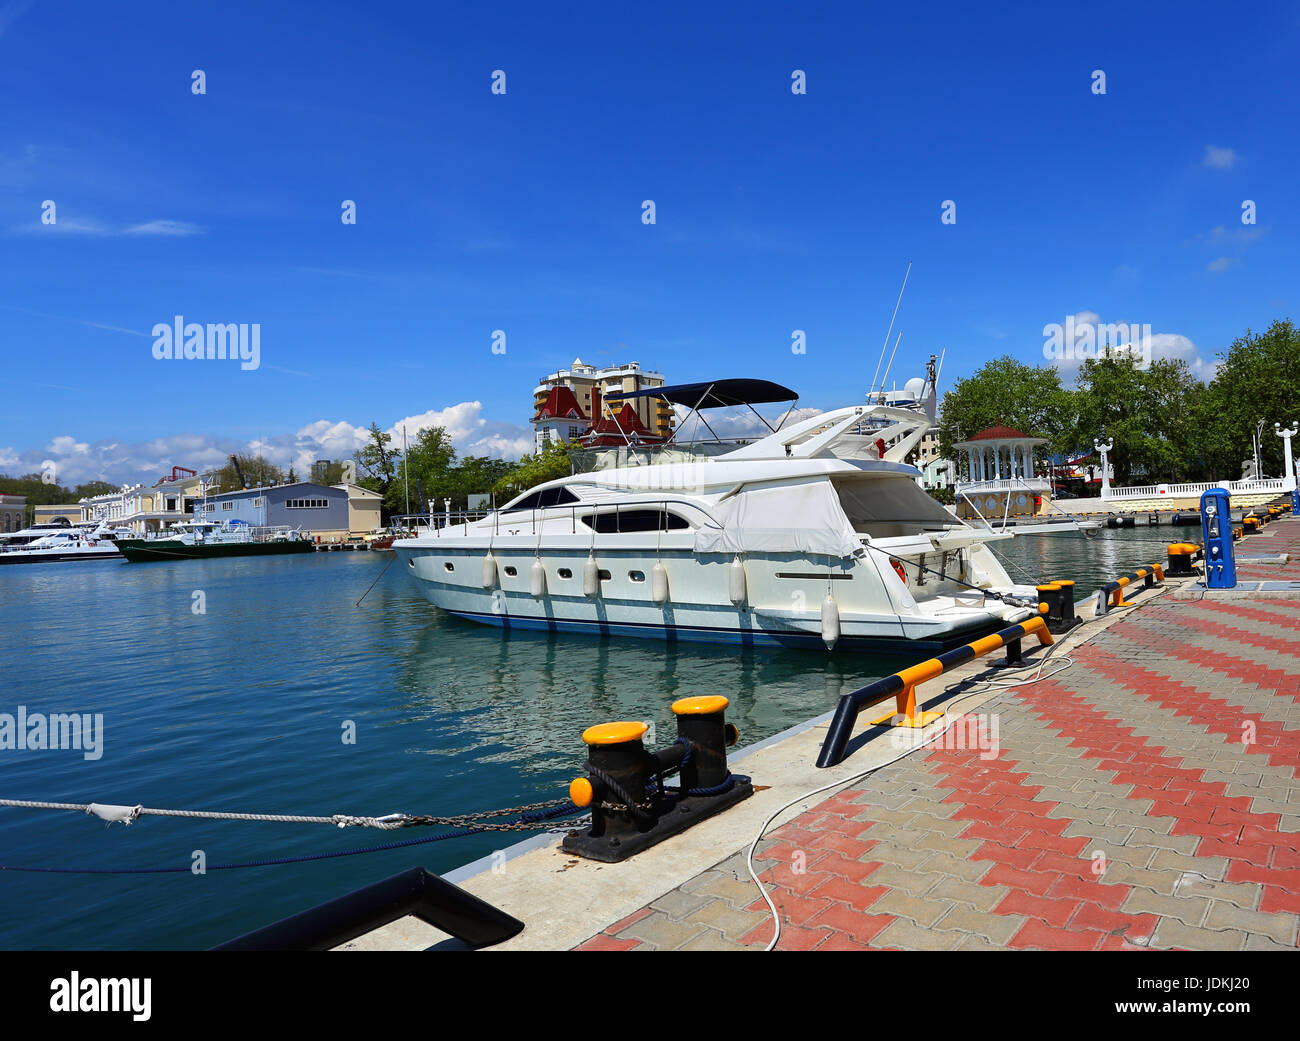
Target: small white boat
{"x":55,"y":543}
{"x":816,"y":535}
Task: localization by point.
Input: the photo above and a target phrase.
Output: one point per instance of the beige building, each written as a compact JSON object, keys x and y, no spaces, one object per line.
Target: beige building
{"x":142,"y":508}
{"x":69,"y":512}
{"x":555,"y":417}
{"x":363,"y":509}
{"x":13,"y":508}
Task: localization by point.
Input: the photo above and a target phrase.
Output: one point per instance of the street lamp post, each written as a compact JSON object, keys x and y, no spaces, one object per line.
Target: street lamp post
{"x":1105,"y":450}
{"x":1288,"y":467}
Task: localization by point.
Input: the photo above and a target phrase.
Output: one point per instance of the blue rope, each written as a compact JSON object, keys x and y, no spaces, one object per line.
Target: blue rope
{"x":529,"y":818}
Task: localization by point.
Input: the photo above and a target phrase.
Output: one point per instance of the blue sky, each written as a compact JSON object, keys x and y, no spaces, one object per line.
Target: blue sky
{"x":522,"y":211}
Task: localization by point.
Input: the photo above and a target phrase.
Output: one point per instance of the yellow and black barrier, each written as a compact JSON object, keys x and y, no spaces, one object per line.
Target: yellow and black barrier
{"x":631,"y":806}
{"x":1112,"y":593}
{"x":902,"y":687}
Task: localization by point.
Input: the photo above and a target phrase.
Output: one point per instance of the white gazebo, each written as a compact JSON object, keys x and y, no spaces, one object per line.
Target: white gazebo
{"x":1002,"y":476}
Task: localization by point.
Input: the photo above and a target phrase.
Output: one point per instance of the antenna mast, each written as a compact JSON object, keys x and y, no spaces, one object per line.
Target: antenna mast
{"x":890,"y":332}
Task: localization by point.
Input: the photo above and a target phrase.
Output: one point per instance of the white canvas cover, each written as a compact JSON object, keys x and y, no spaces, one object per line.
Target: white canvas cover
{"x":788,"y":518}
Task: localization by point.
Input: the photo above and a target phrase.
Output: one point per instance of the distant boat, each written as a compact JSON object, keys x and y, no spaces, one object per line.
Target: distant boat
{"x":197,"y":540}
{"x":59,"y":543}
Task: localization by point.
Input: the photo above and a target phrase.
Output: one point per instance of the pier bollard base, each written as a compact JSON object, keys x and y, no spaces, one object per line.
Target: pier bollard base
{"x":678,"y":815}
{"x":899,"y":719}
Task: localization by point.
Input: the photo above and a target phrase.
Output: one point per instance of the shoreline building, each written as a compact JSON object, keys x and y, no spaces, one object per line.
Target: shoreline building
{"x":145,"y":509}
{"x":13,"y":508}
{"x":569,"y":404}
{"x":331,"y":512}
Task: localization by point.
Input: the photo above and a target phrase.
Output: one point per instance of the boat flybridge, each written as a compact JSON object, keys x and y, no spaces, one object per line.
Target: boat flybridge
{"x":815,"y":534}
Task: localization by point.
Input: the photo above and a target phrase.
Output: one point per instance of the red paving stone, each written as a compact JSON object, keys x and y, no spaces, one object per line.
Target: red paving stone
{"x":1050,"y":896}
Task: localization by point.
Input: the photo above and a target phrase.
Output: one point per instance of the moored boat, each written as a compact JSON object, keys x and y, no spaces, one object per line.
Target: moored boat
{"x":815,"y":535}
{"x":197,"y":540}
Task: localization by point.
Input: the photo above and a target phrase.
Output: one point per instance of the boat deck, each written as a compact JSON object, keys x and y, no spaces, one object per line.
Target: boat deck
{"x":1146,"y":797}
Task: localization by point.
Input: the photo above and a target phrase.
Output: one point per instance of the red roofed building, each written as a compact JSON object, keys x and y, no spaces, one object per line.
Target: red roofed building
{"x":624,"y":428}
{"x":565,"y":403}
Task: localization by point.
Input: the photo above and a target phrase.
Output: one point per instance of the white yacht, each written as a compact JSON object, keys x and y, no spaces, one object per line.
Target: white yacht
{"x":816,"y":534}
{"x":53,"y":543}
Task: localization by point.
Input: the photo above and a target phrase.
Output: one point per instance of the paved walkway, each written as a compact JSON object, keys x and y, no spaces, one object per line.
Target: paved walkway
{"x":1145,"y":798}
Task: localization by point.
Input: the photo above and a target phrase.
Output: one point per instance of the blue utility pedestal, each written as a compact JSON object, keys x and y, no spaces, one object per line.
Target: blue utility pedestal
{"x":1216,"y":532}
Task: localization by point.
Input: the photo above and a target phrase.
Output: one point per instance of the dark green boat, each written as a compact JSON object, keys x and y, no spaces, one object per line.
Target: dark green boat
{"x":200,"y":540}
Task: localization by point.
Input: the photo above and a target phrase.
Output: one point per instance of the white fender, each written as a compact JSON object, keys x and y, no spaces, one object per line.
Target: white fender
{"x":659,"y":583}
{"x":737,"y":581}
{"x":489,"y":571}
{"x":590,"y":577}
{"x":830,"y":622}
{"x":537,"y":579}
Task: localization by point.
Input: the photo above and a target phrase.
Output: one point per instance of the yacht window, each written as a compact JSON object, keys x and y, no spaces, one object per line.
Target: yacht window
{"x":605,"y":576}
{"x":624,"y":521}
{"x":565,"y":573}
{"x":511,"y":571}
{"x":636,"y":576}
{"x":542,"y":499}
{"x":449,"y":565}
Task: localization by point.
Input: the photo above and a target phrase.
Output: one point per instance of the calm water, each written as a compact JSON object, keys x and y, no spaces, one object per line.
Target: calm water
{"x":242,"y":708}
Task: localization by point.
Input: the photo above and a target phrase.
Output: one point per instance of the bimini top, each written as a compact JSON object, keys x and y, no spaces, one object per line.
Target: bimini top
{"x":714,"y":393}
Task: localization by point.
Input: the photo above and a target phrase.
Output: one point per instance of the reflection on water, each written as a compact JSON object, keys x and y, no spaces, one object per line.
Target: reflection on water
{"x":1090,"y":561}
{"x":242,"y":708}
{"x":524,"y":698}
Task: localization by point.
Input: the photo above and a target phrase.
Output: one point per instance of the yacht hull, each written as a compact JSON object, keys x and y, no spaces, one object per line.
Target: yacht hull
{"x":782,"y":606}
{"x":143,"y":550}
{"x":18,"y":556}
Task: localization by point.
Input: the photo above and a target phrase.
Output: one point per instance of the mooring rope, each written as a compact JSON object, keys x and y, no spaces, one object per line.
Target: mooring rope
{"x":534,"y":820}
{"x":478,"y":821}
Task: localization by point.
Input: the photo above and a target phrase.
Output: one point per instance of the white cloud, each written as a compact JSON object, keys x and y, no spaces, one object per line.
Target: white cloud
{"x":93,"y":227}
{"x":1091,"y":336}
{"x":735,"y":422}
{"x":77,"y":462}
{"x":1220,"y":264}
{"x":163,"y":227}
{"x":1220,"y":158}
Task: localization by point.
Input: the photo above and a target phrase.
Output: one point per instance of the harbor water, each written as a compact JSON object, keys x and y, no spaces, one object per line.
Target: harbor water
{"x":236,"y":685}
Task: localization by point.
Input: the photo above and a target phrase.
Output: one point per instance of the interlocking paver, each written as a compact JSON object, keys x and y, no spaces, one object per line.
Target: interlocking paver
{"x":1134,"y":753}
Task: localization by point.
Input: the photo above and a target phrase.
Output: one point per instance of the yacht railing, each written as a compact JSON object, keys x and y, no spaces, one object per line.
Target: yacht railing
{"x":506,"y":517}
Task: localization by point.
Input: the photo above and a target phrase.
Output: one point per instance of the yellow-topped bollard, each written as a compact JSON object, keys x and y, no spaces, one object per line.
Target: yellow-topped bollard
{"x":700,"y":705}
{"x":1181,"y":555}
{"x":614,"y":733}
{"x":632,"y":804}
{"x":700,"y":723}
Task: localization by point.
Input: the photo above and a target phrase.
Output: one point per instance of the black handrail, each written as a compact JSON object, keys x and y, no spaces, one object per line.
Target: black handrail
{"x":417,"y":892}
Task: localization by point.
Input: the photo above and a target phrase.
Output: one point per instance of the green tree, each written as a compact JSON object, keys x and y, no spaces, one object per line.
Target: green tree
{"x":548,"y":465}
{"x":376,"y":461}
{"x":1258,"y":378}
{"x":256,"y":470}
{"x":1006,"y":392}
{"x":1148,"y":412}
